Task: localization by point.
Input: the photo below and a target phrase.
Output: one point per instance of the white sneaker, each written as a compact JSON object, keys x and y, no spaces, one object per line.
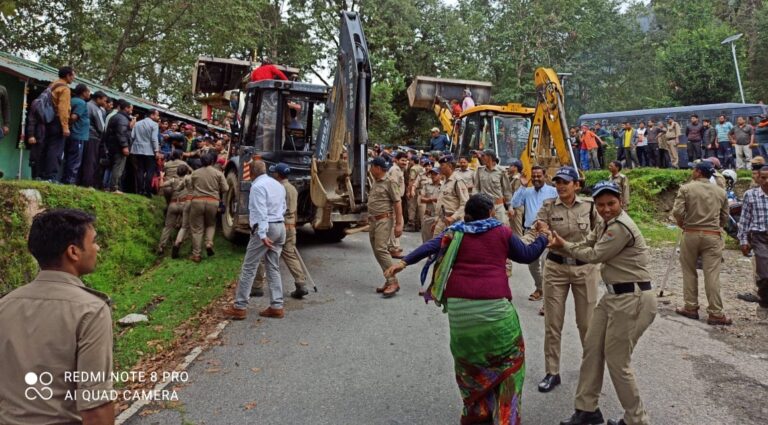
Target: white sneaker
{"x":762,"y":312}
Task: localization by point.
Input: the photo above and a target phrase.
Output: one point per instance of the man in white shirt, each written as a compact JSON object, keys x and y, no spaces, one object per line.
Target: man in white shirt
{"x":266,"y":205}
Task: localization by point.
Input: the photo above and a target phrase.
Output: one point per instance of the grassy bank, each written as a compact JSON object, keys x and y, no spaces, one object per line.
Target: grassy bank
{"x":128,"y":227}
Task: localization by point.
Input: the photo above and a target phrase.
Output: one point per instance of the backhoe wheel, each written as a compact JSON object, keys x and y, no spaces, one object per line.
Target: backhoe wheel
{"x":332,"y":235}
{"x":230,"y":211}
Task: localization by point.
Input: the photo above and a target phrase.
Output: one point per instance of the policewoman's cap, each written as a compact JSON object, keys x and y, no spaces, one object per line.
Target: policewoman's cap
{"x":280,"y":168}
{"x":605,"y":186}
{"x":446,"y":158}
{"x":705,"y":167}
{"x":568,"y":174}
{"x":380,"y":162}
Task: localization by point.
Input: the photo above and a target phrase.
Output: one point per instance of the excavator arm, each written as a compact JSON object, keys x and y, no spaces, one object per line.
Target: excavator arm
{"x":436,"y":94}
{"x":338,"y":173}
{"x":548,"y":139}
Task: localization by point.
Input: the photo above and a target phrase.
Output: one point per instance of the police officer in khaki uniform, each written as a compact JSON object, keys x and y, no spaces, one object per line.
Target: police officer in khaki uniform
{"x":452,"y":197}
{"x":396,"y":174}
{"x":385,"y":216}
{"x":516,"y":216}
{"x":494,"y":182}
{"x":184,"y":232}
{"x":178,"y":201}
{"x":421,"y":181}
{"x":465,"y":173}
{"x":621,"y":316}
{"x":573,"y":218}
{"x":415,"y":171}
{"x":701,"y":210}
{"x":209,"y":186}
{"x":428,"y":198}
{"x":170,"y":171}
{"x":289,"y":255}
{"x":672,"y":136}
{"x":56,"y":325}
{"x":621,"y":181}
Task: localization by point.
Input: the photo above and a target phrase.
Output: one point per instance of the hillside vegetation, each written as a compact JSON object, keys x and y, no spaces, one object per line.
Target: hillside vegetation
{"x":169,"y":291}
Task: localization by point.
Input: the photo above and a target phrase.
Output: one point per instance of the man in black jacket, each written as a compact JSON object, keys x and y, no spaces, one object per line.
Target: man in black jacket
{"x":118,"y":137}
{"x":89,"y":167}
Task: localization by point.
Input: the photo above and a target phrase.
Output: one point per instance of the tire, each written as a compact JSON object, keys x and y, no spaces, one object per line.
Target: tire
{"x":332,"y":235}
{"x":230,"y":211}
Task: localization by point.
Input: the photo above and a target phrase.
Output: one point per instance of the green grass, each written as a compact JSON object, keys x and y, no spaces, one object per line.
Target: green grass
{"x":185,"y":288}
{"x":128,"y":228}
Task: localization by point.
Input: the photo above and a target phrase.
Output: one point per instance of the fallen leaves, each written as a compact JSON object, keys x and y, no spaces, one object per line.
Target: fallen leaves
{"x":255,"y":369}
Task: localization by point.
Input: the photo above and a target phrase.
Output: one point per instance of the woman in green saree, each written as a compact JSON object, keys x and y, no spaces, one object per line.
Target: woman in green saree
{"x":471,"y":284}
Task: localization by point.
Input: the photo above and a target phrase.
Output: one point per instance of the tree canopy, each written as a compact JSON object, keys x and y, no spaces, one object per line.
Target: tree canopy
{"x":623,"y":54}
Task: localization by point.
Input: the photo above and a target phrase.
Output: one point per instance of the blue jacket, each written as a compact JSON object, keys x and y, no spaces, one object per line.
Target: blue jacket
{"x":439,"y":143}
{"x":80,"y":129}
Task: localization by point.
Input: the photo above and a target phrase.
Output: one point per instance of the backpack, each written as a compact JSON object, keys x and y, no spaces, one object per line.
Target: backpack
{"x":43,"y":105}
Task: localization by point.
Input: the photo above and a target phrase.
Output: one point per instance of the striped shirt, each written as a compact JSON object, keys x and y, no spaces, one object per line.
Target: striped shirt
{"x":754,"y":214}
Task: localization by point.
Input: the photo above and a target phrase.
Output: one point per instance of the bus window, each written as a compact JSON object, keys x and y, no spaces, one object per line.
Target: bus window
{"x":511,"y":137}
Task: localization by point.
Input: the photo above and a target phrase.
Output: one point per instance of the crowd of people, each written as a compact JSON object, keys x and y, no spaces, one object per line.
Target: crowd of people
{"x":570,"y":243}
{"x":475,"y":218}
{"x":86,"y":138}
{"x":655,"y":144}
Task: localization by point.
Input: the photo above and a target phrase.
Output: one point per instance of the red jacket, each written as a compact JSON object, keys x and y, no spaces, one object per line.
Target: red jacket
{"x":267,"y":72}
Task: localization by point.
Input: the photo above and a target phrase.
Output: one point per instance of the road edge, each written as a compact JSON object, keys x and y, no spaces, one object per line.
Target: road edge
{"x":134,"y":408}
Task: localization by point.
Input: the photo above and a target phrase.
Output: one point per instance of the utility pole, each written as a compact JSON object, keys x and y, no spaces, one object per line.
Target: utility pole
{"x":731,"y":40}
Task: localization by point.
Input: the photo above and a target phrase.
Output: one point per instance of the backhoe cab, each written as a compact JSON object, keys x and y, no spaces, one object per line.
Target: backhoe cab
{"x":535,"y":136}
{"x":319,"y":132}
{"x":503,"y":128}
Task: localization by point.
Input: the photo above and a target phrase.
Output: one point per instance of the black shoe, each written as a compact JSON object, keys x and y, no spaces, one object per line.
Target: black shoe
{"x":175,"y":251}
{"x":616,"y":422}
{"x":748,"y":297}
{"x":549,"y":383}
{"x":257,"y":292}
{"x":581,"y":417}
{"x":209,"y":251}
{"x":299,"y":293}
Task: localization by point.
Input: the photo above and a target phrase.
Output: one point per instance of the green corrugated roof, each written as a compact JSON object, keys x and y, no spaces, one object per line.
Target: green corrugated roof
{"x":45,"y":73}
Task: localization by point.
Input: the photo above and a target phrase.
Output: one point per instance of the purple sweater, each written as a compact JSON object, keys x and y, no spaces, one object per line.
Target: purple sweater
{"x":479,"y":272}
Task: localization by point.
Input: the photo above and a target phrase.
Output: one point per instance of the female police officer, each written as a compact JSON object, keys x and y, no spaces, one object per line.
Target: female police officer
{"x":621,"y":316}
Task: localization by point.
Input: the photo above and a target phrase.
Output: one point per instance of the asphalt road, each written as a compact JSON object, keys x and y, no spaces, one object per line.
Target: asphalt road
{"x":347,"y":356}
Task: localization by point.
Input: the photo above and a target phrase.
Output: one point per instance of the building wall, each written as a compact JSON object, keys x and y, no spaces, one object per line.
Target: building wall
{"x":9,"y":151}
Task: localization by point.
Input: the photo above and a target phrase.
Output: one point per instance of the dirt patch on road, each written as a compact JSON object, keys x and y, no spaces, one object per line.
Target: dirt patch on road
{"x":747,"y":332}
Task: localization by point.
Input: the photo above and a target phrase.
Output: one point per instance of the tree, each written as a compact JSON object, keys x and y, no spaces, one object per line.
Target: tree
{"x":697,"y":67}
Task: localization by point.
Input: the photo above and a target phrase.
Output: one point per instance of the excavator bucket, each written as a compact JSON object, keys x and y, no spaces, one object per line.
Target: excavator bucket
{"x":424,"y":92}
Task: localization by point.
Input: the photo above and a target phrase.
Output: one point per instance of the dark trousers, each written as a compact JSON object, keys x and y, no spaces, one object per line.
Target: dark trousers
{"x":36,"y":159}
{"x":621,"y":153}
{"x":725,"y":155}
{"x":89,"y":167}
{"x":601,"y":155}
{"x":73,"y":158}
{"x":653,"y":154}
{"x":144,"y":169}
{"x":664,"y":159}
{"x":759,"y":242}
{"x":642,"y":156}
{"x":694,"y":150}
{"x":53,"y":148}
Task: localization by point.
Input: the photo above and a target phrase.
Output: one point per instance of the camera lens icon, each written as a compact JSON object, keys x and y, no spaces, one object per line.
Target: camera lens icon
{"x":32,"y":379}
